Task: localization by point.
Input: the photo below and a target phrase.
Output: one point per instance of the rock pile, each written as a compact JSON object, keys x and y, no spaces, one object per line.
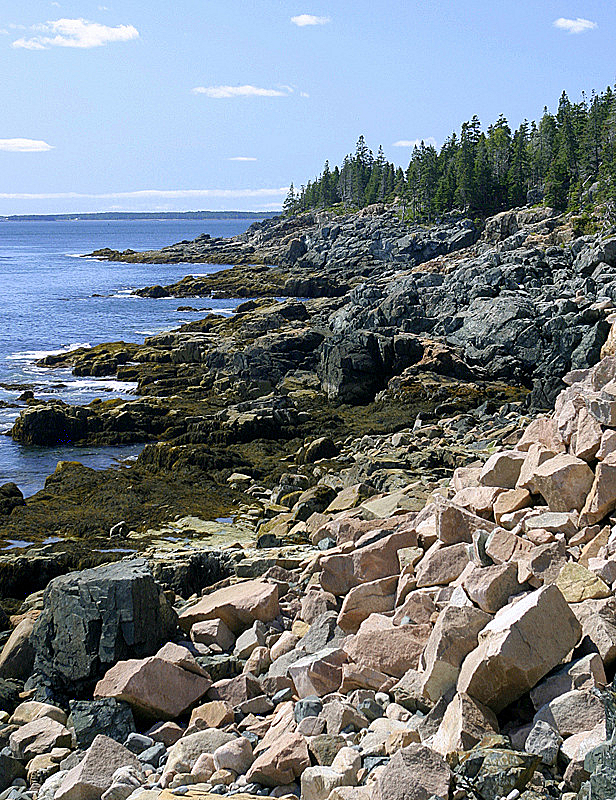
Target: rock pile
{"x":458,"y":651}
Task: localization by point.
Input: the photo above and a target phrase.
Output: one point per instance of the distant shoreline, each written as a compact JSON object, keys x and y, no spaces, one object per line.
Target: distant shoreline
{"x":143,"y":215}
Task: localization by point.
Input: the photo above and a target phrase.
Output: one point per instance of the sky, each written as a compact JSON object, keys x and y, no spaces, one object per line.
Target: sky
{"x":147,"y":105}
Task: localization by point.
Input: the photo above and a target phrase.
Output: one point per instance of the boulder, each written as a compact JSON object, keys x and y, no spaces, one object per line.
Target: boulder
{"x":542,"y":431}
{"x":602,"y":497}
{"x":452,"y":639}
{"x":248,"y":641}
{"x":587,"y":438}
{"x":340,"y":572}
{"x":392,"y":650}
{"x":413,"y":773}
{"x":94,"y":774}
{"x":578,"y":584}
{"x":238,"y":606}
{"x":464,"y":724}
{"x":153,"y":687}
{"x":182,"y":756}
{"x":455,"y":524}
{"x":88,"y":717}
{"x":17,"y":656}
{"x":365,"y":599}
{"x":543,"y":741}
{"x":598,"y":621}
{"x":215,"y":714}
{"x":573,"y":712}
{"x":318,"y":783}
{"x":442,"y":565}
{"x":30,"y":710}
{"x":491,"y":587}
{"x":502,"y":469}
{"x":315,"y":603}
{"x":564,"y":482}
{"x":585,"y":673}
{"x":212,"y":631}
{"x":235,"y":691}
{"x":523,"y":642}
{"x":536,"y":455}
{"x":478,"y":500}
{"x":95,"y":618}
{"x":509,"y":502}
{"x":235,"y":755}
{"x":318,"y":673}
{"x":282,"y":762}
{"x":38,"y":737}
{"x":503,"y":546}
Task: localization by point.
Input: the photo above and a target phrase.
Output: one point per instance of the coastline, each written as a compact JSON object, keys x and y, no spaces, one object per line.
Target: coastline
{"x":248,"y":394}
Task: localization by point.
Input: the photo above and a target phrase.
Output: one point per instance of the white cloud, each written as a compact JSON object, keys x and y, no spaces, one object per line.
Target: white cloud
{"x":75,"y":33}
{"x":578,"y":25}
{"x":428,"y":140}
{"x":242,"y":158}
{"x":223,"y":92}
{"x":4,"y":32}
{"x":24,"y":146}
{"x":149,"y":193}
{"x":309,"y":19}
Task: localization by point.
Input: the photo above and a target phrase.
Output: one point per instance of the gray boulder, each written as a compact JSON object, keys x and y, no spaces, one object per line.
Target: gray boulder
{"x":10,"y":769}
{"x":90,"y":717}
{"x":95,"y":618}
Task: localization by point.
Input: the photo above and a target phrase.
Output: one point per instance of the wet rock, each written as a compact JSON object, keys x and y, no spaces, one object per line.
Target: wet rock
{"x":10,"y":769}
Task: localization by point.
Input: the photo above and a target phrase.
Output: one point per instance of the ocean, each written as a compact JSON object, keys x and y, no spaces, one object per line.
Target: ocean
{"x":52,"y":300}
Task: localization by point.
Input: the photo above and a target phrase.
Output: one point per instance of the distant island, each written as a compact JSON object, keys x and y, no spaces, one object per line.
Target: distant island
{"x":116,"y":215}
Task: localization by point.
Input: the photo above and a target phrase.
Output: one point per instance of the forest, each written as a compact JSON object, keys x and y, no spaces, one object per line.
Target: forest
{"x":566,"y":160}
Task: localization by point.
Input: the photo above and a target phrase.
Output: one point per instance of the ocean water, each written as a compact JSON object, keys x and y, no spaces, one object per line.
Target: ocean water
{"x":48,"y":303}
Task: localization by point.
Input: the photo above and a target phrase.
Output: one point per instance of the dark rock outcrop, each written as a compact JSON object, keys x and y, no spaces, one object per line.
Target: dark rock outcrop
{"x":90,"y":717}
{"x":92,"y":619}
{"x":10,"y":498}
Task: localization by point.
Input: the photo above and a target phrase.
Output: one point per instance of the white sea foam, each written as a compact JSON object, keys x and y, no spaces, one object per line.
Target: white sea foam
{"x":35,"y":355}
{"x":85,"y":384}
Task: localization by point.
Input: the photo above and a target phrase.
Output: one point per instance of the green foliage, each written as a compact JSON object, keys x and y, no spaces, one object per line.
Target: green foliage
{"x":585,"y":225}
{"x":566,"y":158}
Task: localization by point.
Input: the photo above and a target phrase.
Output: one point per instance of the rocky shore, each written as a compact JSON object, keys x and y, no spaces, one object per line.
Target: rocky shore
{"x":451,"y":639}
{"x":361,"y":461}
{"x":390,"y":322}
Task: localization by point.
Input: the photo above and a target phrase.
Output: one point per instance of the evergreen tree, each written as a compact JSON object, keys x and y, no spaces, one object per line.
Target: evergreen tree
{"x":559,"y":158}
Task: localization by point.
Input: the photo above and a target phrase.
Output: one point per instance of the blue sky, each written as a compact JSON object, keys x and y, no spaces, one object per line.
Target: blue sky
{"x":219,"y":104}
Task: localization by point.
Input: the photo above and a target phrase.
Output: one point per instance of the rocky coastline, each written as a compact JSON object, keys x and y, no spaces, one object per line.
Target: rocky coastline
{"x":356,"y":455}
{"x":445,"y":643}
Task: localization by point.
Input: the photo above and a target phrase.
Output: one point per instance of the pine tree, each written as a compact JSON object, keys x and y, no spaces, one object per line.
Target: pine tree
{"x":290,"y":203}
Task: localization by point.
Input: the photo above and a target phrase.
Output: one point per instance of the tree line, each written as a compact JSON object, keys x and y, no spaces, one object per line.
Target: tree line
{"x":566,"y":160}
